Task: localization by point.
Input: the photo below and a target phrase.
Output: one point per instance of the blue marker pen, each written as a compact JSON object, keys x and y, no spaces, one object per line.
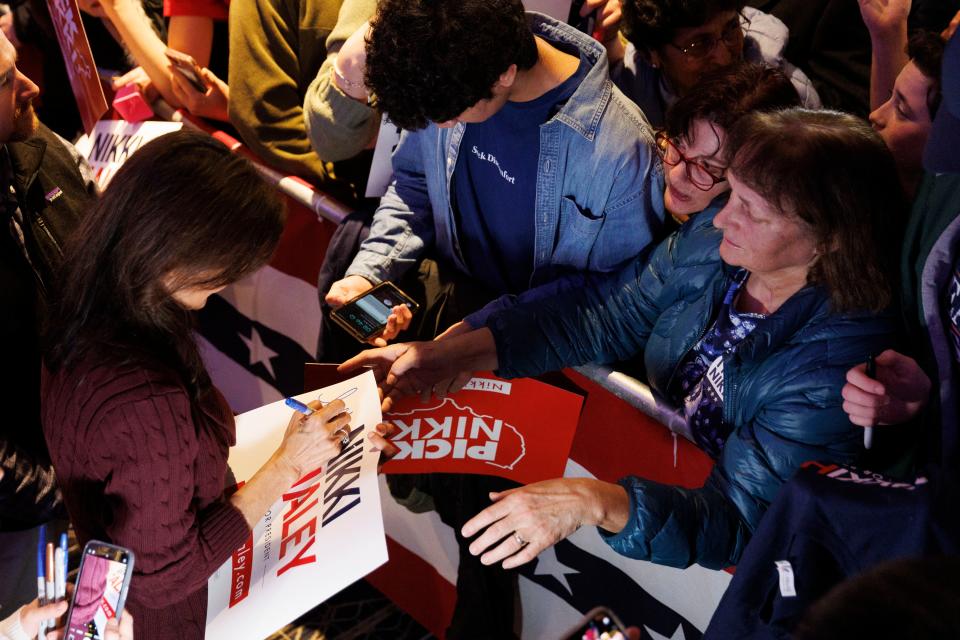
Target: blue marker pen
{"x":61,"y":586}
{"x":296,"y":405}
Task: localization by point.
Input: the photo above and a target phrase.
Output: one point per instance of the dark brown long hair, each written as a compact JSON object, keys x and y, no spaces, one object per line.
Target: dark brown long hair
{"x":834,"y":173}
{"x":181,"y":204}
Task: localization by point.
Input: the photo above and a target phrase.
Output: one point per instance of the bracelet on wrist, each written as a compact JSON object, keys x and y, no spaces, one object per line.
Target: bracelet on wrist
{"x":344,"y":82}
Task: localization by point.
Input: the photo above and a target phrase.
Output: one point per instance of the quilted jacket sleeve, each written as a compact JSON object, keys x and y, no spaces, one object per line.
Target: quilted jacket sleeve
{"x":604,"y":318}
{"x":793,"y":414}
{"x":677,"y":527}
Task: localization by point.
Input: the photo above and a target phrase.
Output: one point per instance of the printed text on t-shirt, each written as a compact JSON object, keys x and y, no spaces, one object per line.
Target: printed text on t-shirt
{"x":493,"y":159}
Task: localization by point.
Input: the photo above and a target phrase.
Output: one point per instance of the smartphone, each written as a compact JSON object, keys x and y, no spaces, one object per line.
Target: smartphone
{"x":598,"y":624}
{"x":101,"y":590}
{"x":186,"y":66}
{"x":365,"y":316}
{"x":585,"y":23}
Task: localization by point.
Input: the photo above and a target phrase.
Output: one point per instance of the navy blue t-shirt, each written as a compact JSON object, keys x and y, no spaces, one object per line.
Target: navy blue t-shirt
{"x":701,"y":371}
{"x":495,"y":185}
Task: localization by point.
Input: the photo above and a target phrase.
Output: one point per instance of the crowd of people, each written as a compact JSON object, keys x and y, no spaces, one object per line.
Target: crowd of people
{"x":756,"y":216}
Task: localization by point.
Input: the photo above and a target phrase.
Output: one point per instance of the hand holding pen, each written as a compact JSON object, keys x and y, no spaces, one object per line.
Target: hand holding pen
{"x":377,"y":437}
{"x":893,"y":391}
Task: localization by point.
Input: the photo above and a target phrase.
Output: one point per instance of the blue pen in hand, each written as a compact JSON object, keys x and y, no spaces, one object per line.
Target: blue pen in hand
{"x":296,"y":405}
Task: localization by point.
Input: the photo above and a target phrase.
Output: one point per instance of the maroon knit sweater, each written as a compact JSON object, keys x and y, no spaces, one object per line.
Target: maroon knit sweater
{"x":142,"y":467}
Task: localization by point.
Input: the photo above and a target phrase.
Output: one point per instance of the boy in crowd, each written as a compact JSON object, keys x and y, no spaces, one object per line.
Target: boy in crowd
{"x":520,"y":162}
{"x":520,"y":166}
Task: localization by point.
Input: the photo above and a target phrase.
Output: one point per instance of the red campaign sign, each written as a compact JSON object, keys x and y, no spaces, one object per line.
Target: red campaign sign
{"x":518,"y":429}
{"x":79,"y":61}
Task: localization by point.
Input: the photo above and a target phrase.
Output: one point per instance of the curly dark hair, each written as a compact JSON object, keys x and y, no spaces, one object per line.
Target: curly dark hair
{"x":431,"y":60}
{"x":725,"y":96}
{"x":650,"y":24}
{"x":925,"y":49}
{"x":834,"y":173}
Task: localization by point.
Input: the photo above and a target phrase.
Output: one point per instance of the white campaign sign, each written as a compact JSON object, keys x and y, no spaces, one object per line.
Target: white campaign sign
{"x":324,"y":534}
{"x":113,"y":141}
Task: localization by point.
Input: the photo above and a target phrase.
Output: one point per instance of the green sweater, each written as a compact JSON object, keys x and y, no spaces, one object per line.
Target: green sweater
{"x":281,"y":69}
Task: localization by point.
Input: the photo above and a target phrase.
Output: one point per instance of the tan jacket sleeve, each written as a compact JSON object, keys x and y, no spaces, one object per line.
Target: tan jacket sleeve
{"x":338,"y":126}
{"x":276,"y":48}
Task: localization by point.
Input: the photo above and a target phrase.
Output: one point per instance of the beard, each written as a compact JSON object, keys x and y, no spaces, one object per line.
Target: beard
{"x":24,"y":122}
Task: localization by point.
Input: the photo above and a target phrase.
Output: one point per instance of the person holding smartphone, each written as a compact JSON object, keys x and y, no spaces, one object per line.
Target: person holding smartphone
{"x":137,"y":432}
{"x":24,"y":623}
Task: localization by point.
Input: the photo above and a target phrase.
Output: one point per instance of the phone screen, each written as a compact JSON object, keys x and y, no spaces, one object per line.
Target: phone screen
{"x":601,"y":626}
{"x":103,"y":575}
{"x":368,"y":314}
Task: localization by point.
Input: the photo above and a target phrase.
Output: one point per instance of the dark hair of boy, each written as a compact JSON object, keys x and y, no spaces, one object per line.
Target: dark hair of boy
{"x":725,"y":96}
{"x":650,"y":24}
{"x":182,"y":203}
{"x":925,"y":50}
{"x":431,"y":60}
{"x":833,"y":173}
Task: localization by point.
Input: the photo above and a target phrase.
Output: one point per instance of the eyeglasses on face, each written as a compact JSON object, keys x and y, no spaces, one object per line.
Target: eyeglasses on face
{"x":699,"y":175}
{"x":702,"y":46}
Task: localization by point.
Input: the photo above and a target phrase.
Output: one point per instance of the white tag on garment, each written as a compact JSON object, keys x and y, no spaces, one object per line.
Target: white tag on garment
{"x":787,"y":588}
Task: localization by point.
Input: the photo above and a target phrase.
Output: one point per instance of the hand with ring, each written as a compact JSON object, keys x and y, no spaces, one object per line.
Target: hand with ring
{"x":524,"y":521}
{"x":312,"y":441}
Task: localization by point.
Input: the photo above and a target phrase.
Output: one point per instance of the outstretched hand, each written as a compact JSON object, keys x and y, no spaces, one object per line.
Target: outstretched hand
{"x":524,"y":521}
{"x":411,"y":368}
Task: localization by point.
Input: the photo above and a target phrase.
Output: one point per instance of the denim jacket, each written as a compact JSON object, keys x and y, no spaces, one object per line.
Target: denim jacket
{"x":599,"y":194}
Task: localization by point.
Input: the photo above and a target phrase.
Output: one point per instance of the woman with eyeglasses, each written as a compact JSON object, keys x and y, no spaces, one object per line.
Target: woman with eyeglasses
{"x":691,"y":146}
{"x":747,"y":318}
{"x":674,"y":43}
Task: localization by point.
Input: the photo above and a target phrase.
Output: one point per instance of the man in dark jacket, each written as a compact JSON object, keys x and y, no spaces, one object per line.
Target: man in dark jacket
{"x":42,"y":193}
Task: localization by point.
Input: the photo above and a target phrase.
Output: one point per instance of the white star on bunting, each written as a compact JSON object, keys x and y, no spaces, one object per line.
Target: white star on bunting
{"x":259,"y":352}
{"x":677,"y":635}
{"x":548,"y":565}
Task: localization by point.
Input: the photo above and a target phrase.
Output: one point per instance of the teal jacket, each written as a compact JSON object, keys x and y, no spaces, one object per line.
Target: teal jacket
{"x":781,"y":386}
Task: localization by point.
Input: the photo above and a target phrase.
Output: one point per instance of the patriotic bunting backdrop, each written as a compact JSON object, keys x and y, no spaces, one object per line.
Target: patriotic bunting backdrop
{"x":258,"y":333}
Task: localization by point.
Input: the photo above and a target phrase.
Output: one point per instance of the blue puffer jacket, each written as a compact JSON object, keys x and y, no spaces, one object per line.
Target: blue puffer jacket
{"x":781,"y":386}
